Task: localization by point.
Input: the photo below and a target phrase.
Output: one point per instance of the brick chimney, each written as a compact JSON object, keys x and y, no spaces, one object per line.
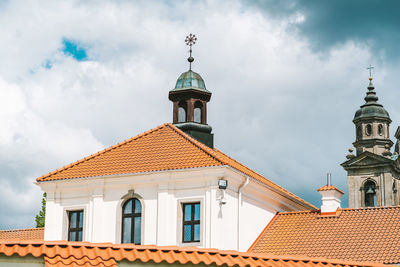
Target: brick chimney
{"x":330,"y":198}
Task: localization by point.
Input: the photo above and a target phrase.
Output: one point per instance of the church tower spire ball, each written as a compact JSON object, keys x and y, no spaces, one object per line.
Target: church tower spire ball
{"x":373,"y":173}
{"x":190,"y":98}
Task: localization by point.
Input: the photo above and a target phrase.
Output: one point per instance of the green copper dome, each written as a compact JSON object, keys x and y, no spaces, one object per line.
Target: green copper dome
{"x":371,"y":108}
{"x":190,"y":80}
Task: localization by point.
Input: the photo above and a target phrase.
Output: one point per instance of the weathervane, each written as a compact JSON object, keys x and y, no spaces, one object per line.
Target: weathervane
{"x":190,"y":40}
{"x":370,"y":70}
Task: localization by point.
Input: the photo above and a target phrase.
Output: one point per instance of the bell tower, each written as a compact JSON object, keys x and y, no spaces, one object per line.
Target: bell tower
{"x":190,"y":98}
{"x":373,"y":173}
{"x":372,"y":125}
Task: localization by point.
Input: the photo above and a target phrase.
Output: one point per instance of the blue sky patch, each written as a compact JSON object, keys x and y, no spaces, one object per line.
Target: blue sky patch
{"x":73,"y":49}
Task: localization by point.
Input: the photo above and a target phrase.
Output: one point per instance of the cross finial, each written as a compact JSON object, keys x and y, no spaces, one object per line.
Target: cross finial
{"x":370,"y":70}
{"x":190,"y":41}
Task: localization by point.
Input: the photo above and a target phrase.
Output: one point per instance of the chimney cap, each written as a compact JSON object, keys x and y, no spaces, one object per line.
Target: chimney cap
{"x":329,"y":188}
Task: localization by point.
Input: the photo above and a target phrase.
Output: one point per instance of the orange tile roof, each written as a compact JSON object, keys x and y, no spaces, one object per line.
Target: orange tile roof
{"x":63,"y":253}
{"x":365,"y":234}
{"x":163,"y":148}
{"x":24,"y":234}
{"x":329,"y":187}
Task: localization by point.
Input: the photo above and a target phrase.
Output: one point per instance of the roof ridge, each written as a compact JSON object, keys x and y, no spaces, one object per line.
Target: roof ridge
{"x":372,"y":208}
{"x":341,"y":209}
{"x":65,"y":167}
{"x":25,"y":229}
{"x":197,"y":143}
{"x":296,"y":212}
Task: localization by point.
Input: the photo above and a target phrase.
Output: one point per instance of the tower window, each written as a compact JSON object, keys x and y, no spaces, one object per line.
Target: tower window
{"x":380,"y":129}
{"x":182,"y":112}
{"x":132,"y":221}
{"x":370,"y":194}
{"x":191,"y":222}
{"x":368,"y":129}
{"x":197,"y":112}
{"x":75,"y":225}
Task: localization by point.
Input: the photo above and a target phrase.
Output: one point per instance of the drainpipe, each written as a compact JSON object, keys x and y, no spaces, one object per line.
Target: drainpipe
{"x":241,"y":187}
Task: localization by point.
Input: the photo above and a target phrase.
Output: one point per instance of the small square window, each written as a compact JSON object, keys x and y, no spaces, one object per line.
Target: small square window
{"x":191,"y":222}
{"x":75,"y":225}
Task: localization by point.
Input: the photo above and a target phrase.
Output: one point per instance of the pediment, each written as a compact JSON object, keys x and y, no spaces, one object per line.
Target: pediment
{"x":367,"y":159}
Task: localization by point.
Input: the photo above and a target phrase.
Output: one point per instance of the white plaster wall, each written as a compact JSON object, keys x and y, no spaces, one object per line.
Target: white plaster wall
{"x":162,"y":195}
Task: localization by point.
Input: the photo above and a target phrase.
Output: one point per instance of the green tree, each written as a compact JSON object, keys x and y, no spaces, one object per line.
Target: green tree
{"x":40,"y":218}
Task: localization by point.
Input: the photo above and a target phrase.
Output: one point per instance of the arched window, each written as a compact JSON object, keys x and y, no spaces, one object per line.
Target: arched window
{"x":182,"y":112}
{"x":380,"y":129}
{"x":132,"y":221}
{"x":198,"y":112}
{"x":368,"y":129}
{"x":370,"y":194}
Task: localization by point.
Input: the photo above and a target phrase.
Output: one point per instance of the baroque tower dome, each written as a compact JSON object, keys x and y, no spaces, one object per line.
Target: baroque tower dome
{"x":371,"y":108}
{"x":372,"y":125}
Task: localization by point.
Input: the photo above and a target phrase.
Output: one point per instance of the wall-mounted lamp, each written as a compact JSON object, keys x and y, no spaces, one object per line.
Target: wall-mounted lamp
{"x":222,"y":184}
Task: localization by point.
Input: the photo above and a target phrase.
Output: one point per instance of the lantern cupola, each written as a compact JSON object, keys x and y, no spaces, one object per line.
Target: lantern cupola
{"x":190,"y":98}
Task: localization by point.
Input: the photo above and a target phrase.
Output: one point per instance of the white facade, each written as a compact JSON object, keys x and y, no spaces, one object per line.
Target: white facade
{"x":249,"y":206}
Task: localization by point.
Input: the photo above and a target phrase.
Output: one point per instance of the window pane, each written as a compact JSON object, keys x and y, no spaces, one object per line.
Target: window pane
{"x":138,"y":206}
{"x":188,"y":212}
{"x":72,"y":236}
{"x":128,"y":207}
{"x":80,"y":219}
{"x":187,"y":235}
{"x":72,"y":223}
{"x":126,"y":238}
{"x":197,"y":115}
{"x":197,"y":212}
{"x":197,"y":232}
{"x":181,"y":114}
{"x":137,"y":235}
{"x":79,"y":236}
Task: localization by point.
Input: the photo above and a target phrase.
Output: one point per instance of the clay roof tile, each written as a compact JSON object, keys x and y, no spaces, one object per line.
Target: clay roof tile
{"x":365,"y":234}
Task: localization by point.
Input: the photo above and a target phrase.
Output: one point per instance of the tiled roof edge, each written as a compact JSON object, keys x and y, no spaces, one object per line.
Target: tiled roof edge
{"x":341,"y":210}
{"x":262,"y":233}
{"x":20,"y":230}
{"x":37,"y":248}
{"x":200,"y":145}
{"x":212,"y":153}
{"x":43,"y":177}
{"x":267,"y":181}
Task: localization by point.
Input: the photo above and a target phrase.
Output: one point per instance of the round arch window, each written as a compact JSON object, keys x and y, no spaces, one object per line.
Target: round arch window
{"x":380,"y":129}
{"x":370,"y":194}
{"x":368,"y":129}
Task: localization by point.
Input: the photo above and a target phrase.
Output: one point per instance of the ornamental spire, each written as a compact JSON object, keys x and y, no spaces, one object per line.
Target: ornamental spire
{"x":190,"y":41}
{"x":371,"y":97}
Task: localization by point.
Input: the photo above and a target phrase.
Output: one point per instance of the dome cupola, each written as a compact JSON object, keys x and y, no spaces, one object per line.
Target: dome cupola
{"x":372,"y":125}
{"x":371,"y":108}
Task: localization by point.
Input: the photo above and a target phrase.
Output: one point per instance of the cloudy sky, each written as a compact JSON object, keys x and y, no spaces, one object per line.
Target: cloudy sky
{"x":286,"y":77}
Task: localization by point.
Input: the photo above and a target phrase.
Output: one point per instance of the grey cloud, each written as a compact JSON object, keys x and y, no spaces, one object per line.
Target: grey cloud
{"x":329,"y":23}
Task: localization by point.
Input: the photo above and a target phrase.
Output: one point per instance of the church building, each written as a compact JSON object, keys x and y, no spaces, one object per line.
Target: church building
{"x":374,"y":172}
